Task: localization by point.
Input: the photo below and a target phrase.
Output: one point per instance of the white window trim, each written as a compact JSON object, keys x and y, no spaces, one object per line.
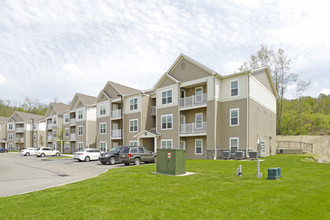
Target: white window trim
{"x":161,"y":97}
{"x":82,"y":130}
{"x":134,"y":141}
{"x":129,"y":125}
{"x":137,"y":104}
{"x":234,"y":109}
{"x":12,"y":124}
{"x":80,"y":119}
{"x":54,"y":117}
{"x":10,"y":135}
{"x":199,"y":87}
{"x":105,"y":145}
{"x":230,"y":143}
{"x":161,"y":122}
{"x":68,"y":119}
{"x":201,"y":146}
{"x":237,"y":87}
{"x":199,"y":113}
{"x":104,"y":127}
{"x":166,"y":140}
{"x":82,"y":143}
{"x":105,"y":109}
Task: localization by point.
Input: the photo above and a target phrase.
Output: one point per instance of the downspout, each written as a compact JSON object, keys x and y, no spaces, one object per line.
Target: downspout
{"x":247,"y":113}
{"x":215,"y":121}
{"x":86,"y":110}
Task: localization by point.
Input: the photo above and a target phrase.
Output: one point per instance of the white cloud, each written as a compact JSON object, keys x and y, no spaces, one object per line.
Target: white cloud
{"x":325,"y":91}
{"x":291,"y":87}
{"x":315,"y":83}
{"x":73,"y":70}
{"x":3,"y":80}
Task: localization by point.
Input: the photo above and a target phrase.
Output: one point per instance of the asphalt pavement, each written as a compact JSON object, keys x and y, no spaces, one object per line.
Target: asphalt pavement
{"x":22,"y":174}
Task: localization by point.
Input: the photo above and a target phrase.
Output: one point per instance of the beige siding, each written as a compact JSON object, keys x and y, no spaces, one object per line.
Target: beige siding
{"x":191,"y":90}
{"x":211,"y":122}
{"x":103,"y":98}
{"x":129,"y":136}
{"x":262,"y":125}
{"x":190,"y":147}
{"x":262,"y":77}
{"x":172,"y":133}
{"x":112,"y":92}
{"x":91,"y":136}
{"x":226,"y":88}
{"x":102,"y":137}
{"x":166,"y":82}
{"x":190,"y":114}
{"x":190,"y":71}
{"x":83,"y":137}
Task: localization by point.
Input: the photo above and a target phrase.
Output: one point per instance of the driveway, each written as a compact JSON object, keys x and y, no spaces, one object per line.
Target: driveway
{"x":20,"y":174}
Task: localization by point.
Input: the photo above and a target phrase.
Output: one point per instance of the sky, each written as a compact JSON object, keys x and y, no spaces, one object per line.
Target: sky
{"x":53,"y":49}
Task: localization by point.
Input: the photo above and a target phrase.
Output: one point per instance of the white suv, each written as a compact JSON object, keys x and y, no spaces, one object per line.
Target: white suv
{"x":29,"y":151}
{"x":47,"y":151}
{"x":87,"y":154}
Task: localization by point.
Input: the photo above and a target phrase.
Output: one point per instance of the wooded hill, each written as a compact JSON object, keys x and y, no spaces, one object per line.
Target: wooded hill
{"x":7,"y":108}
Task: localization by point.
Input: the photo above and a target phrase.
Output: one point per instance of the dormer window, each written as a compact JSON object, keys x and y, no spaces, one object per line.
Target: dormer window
{"x":234,"y":88}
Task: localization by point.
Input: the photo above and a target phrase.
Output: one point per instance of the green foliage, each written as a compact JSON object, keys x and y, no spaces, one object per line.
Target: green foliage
{"x":214,"y":192}
{"x":7,"y":108}
{"x":306,"y":116}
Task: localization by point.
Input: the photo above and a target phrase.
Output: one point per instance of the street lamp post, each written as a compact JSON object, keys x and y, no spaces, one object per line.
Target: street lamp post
{"x":32,"y":134}
{"x":121,"y":121}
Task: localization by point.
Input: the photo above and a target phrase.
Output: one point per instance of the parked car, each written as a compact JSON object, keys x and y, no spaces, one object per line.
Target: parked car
{"x":134,"y":154}
{"x":29,"y":151}
{"x":3,"y":150}
{"x":47,"y":151}
{"x":87,"y":154}
{"x":112,"y":156}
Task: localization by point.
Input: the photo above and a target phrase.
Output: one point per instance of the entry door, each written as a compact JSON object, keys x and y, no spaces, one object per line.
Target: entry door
{"x":114,"y":144}
{"x":115,"y":129}
{"x":183,"y":123}
{"x":183,"y":145}
{"x":114,"y":107}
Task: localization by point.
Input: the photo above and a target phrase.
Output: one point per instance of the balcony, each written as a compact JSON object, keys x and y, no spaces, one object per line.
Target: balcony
{"x":72,"y":122}
{"x":153,"y":110}
{"x":72,"y":137}
{"x":19,"y":129}
{"x":193,"y":101}
{"x":49,"y":126}
{"x":193,"y":128}
{"x":116,"y":114}
{"x":116,"y":133}
{"x":20,"y":140}
{"x":49,"y":138}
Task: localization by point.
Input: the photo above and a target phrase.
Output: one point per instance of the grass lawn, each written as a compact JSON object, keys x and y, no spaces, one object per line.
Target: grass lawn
{"x":215,"y":192}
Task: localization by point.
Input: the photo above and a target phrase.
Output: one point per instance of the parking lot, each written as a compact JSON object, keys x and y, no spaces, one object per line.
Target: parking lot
{"x":21,"y":174}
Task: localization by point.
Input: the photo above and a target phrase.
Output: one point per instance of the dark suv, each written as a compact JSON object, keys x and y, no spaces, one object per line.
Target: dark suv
{"x":134,"y":154}
{"x":112,"y":156}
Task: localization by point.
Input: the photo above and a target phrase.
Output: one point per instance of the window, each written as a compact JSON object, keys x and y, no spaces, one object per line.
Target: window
{"x":133,"y":104}
{"x":66,"y":118}
{"x":103,"y":129}
{"x":167,"y":144}
{"x":233,"y":142}
{"x":10,"y":146}
{"x":167,"y":97}
{"x":66,"y":132}
{"x":199,"y":146}
{"x":199,"y":120}
{"x":34,"y":126}
{"x":234,"y":88}
{"x":34,"y":136}
{"x":103,"y":146}
{"x":102,"y":110}
{"x":80,"y":146}
{"x":199,"y":94}
{"x":167,"y":121}
{"x":80,"y":130}
{"x":234,"y":117}
{"x":183,"y":145}
{"x":133,"y":143}
{"x":133,"y":125}
{"x":67,"y":147}
{"x":10,"y":127}
{"x":80,"y":114}
{"x":10,"y":136}
{"x":54,"y":120}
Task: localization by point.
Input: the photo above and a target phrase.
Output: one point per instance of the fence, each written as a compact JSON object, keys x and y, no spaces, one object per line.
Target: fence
{"x":306,"y":147}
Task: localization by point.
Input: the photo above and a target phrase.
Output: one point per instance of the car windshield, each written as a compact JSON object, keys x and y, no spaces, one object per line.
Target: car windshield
{"x":113,"y":150}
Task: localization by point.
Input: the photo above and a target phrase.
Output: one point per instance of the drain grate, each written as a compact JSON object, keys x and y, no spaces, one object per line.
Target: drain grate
{"x":63,"y":175}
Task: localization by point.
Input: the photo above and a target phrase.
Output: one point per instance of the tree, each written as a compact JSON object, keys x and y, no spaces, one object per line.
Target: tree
{"x":41,"y":140}
{"x":59,"y":138}
{"x":302,"y":86}
{"x":279,"y":66}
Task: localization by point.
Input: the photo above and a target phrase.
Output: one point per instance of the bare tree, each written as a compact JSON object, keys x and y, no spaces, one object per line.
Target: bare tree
{"x":302,"y":86}
{"x":41,"y":140}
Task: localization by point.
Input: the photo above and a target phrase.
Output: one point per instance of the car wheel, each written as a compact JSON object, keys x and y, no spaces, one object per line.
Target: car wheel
{"x":87,"y":159}
{"x":42,"y":155}
{"x":126,"y":164}
{"x":102,"y":162}
{"x":112,"y":160}
{"x":57,"y":154}
{"x":27,"y":154}
{"x":137,"y":161}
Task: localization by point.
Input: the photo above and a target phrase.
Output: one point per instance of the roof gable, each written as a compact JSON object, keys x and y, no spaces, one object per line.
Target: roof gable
{"x":166,"y":80}
{"x":79,"y":99}
{"x":264,"y":77}
{"x":113,"y":90}
{"x":102,"y":97}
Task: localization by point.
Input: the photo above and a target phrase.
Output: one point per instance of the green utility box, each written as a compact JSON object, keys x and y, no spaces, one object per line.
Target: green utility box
{"x":171,"y":161}
{"x":274,"y":173}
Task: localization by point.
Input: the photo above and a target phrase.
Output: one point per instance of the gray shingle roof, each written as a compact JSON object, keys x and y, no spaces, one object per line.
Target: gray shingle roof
{"x":124,"y":90}
{"x":59,"y":108}
{"x":2,"y":119}
{"x":86,"y":99}
{"x":27,"y":116}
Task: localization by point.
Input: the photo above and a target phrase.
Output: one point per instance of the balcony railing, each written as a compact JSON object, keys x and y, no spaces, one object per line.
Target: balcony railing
{"x":73,"y":137}
{"x":19,"y":129}
{"x":116,"y":113}
{"x":153,"y":110}
{"x":72,"y":121}
{"x":193,"y":128}
{"x":49,"y":138}
{"x":116,"y":133}
{"x":20,"y":140}
{"x":192,"y":101}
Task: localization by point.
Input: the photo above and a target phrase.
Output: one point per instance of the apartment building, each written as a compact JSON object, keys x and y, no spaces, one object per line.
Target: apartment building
{"x":80,"y":123}
{"x":25,"y":130}
{"x":3,"y":132}
{"x":205,"y":113}
{"x":54,"y":123}
{"x":110,"y":120}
